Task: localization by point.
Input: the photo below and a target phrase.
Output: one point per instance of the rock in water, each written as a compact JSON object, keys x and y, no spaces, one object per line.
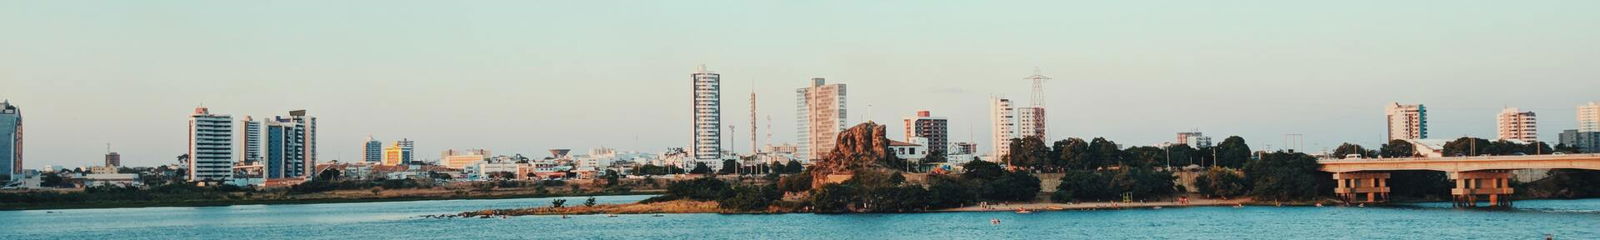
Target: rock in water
{"x":863,"y":146}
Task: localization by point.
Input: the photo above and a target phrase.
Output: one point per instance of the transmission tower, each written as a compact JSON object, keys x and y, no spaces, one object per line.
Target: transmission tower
{"x":1038,"y":87}
{"x":754,"y":146}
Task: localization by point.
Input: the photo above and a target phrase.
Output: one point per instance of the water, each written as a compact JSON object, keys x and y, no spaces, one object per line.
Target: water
{"x":1566,"y":219}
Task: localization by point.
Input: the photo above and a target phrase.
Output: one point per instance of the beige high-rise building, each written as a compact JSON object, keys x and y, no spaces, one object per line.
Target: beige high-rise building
{"x":707,"y":144}
{"x":1589,"y":117}
{"x":1519,"y":125}
{"x":1002,"y":116}
{"x":1030,"y":122}
{"x":821,"y":117}
{"x":1407,"y":121}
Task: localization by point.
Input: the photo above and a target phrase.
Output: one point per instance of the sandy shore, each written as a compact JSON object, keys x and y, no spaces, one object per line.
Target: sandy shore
{"x":1097,"y":205}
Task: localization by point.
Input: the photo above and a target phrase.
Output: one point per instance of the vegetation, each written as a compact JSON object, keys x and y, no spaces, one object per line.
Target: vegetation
{"x":1221,"y":182}
{"x":1468,"y":146}
{"x":1398,"y":149}
{"x":1348,"y":149}
{"x":1138,"y":183}
{"x":1282,"y":176}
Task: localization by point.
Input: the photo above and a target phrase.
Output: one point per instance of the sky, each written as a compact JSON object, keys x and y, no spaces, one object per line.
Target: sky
{"x":525,"y":76}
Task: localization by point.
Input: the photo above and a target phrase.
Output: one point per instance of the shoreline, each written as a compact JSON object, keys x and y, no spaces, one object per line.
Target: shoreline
{"x":1046,"y":206}
{"x":222,"y":203}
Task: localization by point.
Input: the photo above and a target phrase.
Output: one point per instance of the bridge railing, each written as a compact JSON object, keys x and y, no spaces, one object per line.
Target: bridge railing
{"x":1483,"y":158}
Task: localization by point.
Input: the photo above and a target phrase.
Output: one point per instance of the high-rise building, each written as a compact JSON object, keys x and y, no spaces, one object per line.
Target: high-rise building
{"x":1004,"y":126}
{"x":291,"y":145}
{"x":399,"y":152}
{"x":1194,"y":139}
{"x":372,"y":151}
{"x":210,"y":146}
{"x":113,"y":159}
{"x":249,"y":140}
{"x":1407,"y":121}
{"x":1589,"y":117}
{"x":10,"y":142}
{"x":755,"y":146}
{"x":707,"y":144}
{"x":1588,"y":142}
{"x":822,"y":116}
{"x":1519,"y":125}
{"x":1030,"y":122}
{"x":935,"y":129}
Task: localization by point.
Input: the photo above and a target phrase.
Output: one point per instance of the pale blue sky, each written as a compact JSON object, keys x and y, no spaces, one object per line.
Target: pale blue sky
{"x":523,"y":76}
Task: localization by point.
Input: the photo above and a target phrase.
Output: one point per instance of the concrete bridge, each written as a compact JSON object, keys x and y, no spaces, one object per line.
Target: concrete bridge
{"x":1488,"y":177}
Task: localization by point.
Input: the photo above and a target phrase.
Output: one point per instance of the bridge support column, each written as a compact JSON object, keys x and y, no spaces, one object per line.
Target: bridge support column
{"x":1353,"y":186}
{"x":1491,"y":184}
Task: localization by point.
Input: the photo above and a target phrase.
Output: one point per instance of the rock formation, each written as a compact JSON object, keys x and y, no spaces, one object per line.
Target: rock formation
{"x":861,"y":147}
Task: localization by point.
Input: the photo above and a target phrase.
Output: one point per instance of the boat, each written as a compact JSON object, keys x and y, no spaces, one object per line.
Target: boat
{"x":1157,"y":208}
{"x":1023,"y":211}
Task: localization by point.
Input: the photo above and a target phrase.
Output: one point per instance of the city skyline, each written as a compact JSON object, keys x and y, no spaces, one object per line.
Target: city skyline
{"x":475,"y":77}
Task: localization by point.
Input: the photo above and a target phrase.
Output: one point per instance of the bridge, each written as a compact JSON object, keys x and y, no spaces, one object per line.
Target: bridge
{"x":1482,"y":177}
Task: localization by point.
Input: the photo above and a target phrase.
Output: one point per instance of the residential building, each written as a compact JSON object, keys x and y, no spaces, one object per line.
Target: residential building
{"x":935,"y":129}
{"x":1194,"y":139}
{"x":210,"y":146}
{"x":372,"y":151}
{"x":249,"y":140}
{"x":113,"y":159}
{"x":10,"y":143}
{"x":1030,"y":122}
{"x":822,"y":116}
{"x":1587,"y":142}
{"x":458,"y":159}
{"x":1589,"y":117}
{"x":291,"y":150}
{"x":1004,"y":126}
{"x":1407,"y":121}
{"x":963,"y":148}
{"x":393,"y":155}
{"x":1519,"y":125}
{"x":914,"y":151}
{"x":707,"y":124}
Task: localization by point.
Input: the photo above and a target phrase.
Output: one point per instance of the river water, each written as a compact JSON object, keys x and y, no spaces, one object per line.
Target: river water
{"x":1532,"y":219}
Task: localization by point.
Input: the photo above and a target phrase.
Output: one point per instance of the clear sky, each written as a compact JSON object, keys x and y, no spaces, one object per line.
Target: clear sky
{"x":524,"y":76}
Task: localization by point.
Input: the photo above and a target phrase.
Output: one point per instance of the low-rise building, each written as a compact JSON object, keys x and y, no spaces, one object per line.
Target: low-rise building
{"x":112,"y":179}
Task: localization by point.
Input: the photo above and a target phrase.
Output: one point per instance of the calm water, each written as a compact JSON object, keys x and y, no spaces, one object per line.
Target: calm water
{"x":1566,"y":219}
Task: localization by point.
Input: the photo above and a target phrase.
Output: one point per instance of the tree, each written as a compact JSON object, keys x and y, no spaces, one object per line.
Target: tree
{"x":833,"y":198}
{"x":612,"y":178}
{"x":1103,"y":153}
{"x":947,"y":192}
{"x":1142,"y":183}
{"x":699,"y":189}
{"x":1072,"y":153}
{"x":793,"y":167}
{"x":751,"y":198}
{"x":1082,"y":185}
{"x":1028,"y":152}
{"x":558,"y":203}
{"x":981,"y":170}
{"x":1398,"y":149}
{"x":1233,"y":152}
{"x":795,"y":183}
{"x":729,"y":167}
{"x":1011,"y":186}
{"x":1347,"y":149}
{"x":1144,"y":156}
{"x":1182,"y":154}
{"x":1221,"y":182}
{"x":589,"y":202}
{"x":1466,"y":146}
{"x":1285,"y":176}
{"x":700,"y":168}
{"x":936,"y":156}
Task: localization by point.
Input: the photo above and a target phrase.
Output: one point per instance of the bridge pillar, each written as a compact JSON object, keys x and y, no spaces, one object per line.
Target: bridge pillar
{"x":1491,"y":184}
{"x":1353,"y":186}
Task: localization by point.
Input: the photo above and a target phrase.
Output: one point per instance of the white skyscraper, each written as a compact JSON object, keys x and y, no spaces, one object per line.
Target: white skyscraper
{"x":1516,"y":124}
{"x":1004,"y":125}
{"x":821,"y":118}
{"x":1589,"y":117}
{"x":707,"y":144}
{"x":1407,"y":121}
{"x":210,"y":146}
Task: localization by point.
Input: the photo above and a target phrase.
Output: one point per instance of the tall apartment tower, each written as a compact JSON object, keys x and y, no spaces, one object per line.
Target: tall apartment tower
{"x":707,"y":144}
{"x":1519,"y":125}
{"x":113,"y":159}
{"x":1003,"y":117}
{"x":10,"y":142}
{"x":291,"y":145}
{"x":372,"y":151}
{"x":935,"y":129}
{"x":210,"y":146}
{"x":821,"y":117}
{"x":249,"y":140}
{"x":1589,"y":117}
{"x":1407,"y":121}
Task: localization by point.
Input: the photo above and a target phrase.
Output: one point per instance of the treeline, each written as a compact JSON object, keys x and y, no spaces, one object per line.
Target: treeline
{"x":866,"y":191}
{"x":1033,"y":154}
{"x":1464,"y":146}
{"x":728,"y":167}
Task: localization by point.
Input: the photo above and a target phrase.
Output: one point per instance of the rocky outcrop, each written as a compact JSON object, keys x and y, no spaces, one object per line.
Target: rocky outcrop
{"x":861,"y":147}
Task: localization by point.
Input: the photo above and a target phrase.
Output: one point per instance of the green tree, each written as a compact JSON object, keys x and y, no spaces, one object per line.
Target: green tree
{"x":700,"y":168}
{"x":1029,"y":152}
{"x":793,"y":167}
{"x":795,"y":183}
{"x":751,"y":198}
{"x":1011,"y":186}
{"x":558,"y":203}
{"x":947,"y":192}
{"x":1183,"y":154}
{"x":1285,"y":176}
{"x":1467,"y":146}
{"x":1103,"y":153}
{"x":1221,"y":182}
{"x":1072,"y":153}
{"x":729,"y":167}
{"x":833,"y":198}
{"x":1347,"y":149}
{"x":1233,"y":152}
{"x":981,"y":170}
{"x":589,"y":202}
{"x":1082,"y":185}
{"x":1398,"y":149}
{"x":1145,"y":156}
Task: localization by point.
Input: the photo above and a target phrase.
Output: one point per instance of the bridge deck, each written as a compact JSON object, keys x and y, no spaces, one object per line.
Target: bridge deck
{"x":1463,"y":164}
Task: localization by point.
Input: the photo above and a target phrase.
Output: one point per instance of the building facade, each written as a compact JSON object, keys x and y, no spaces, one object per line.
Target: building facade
{"x":249,"y":140}
{"x":113,"y":159}
{"x":935,"y":129}
{"x":707,"y":124}
{"x":10,"y":142}
{"x":1194,"y":139}
{"x":1002,"y":117}
{"x":459,"y":159}
{"x":399,"y":153}
{"x":1031,"y":123}
{"x":210,"y":146}
{"x":822,"y":116}
{"x":372,"y":151}
{"x":1407,"y":121}
{"x":1515,"y":124}
{"x":291,"y":150}
{"x":1586,"y":142}
{"x":1589,"y":117}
